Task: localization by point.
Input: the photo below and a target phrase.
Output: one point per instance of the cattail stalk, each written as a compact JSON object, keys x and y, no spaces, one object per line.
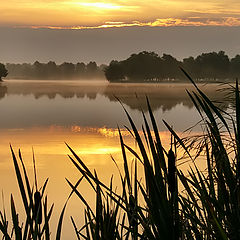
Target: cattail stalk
{"x":171,"y":171}
{"x":37,"y":209}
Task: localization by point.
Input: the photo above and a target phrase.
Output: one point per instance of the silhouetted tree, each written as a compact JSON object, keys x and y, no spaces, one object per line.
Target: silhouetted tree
{"x":92,"y":70}
{"x":91,"y":67}
{"x":39,"y":70}
{"x":3,"y":71}
{"x":170,"y":67}
{"x":146,"y":66}
{"x":27,"y":70}
{"x":235,"y":66}
{"x":213,"y":65}
{"x":80,"y":70}
{"x":142,"y":66}
{"x":23,"y":71}
{"x":114,"y":72}
{"x":102,"y":67}
{"x":189,"y":64}
{"x":52,"y":71}
{"x":67,"y":70}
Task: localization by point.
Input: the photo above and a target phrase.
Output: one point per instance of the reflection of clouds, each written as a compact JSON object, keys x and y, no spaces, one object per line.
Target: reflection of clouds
{"x":112,"y":132}
{"x":97,"y":151}
{"x":104,"y":131}
{"x":93,"y":140}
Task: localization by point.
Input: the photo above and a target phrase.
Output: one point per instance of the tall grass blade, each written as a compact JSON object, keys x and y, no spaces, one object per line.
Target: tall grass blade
{"x":158,"y":140}
{"x":22,"y":190}
{"x":17,"y":229}
{"x":60,"y":221}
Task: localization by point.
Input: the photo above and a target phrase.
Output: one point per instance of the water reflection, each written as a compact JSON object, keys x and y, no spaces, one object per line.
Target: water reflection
{"x":45,"y":103}
{"x":93,"y":145}
{"x":3,"y":90}
{"x":165,"y":96}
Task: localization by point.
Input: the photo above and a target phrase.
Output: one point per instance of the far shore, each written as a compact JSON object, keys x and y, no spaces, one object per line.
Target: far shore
{"x":105,"y":81}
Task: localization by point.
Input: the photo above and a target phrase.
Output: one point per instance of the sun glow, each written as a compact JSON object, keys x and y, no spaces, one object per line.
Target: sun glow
{"x":101,"y":5}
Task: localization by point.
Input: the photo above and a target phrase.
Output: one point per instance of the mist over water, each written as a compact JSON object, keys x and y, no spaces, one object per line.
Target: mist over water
{"x":93,"y":103}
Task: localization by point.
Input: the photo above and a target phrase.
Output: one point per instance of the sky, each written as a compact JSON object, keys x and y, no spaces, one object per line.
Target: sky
{"x":71,"y":30}
{"x":89,"y":14}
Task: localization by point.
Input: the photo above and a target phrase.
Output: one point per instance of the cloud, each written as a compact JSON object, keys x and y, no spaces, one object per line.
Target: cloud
{"x":196,"y":21}
{"x":160,"y":22}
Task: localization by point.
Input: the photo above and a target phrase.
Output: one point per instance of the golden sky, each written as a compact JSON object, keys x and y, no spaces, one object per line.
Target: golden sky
{"x":97,"y":14}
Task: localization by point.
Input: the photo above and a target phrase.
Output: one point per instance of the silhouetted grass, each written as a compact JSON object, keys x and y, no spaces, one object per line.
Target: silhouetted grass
{"x":36,"y":223}
{"x":209,"y":206}
{"x":157,"y":215}
{"x":37,"y":215}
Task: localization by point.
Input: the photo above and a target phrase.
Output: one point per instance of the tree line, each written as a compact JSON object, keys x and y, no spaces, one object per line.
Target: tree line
{"x":149,"y":66}
{"x":143,"y":66}
{"x":51,"y":70}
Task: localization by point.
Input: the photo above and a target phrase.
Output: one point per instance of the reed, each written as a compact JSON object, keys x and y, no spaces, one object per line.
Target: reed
{"x":212,"y":206}
{"x":36,"y":224}
{"x":208,"y":208}
{"x":157,"y":216}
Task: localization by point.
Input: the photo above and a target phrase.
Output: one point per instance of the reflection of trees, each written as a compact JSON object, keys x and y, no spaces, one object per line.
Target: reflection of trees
{"x":164,"y":96}
{"x":67,"y":94}
{"x":158,"y":98}
{"x":49,"y":95}
{"x":92,"y":95}
{"x":51,"y":89}
{"x":139,"y":102}
{"x":80,"y":95}
{"x":3,"y":90}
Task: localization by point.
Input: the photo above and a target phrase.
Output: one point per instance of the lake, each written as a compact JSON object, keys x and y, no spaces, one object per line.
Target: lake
{"x":43,"y":115}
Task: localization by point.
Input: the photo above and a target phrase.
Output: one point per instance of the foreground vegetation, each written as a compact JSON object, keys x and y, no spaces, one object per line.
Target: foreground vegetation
{"x":153,"y":207}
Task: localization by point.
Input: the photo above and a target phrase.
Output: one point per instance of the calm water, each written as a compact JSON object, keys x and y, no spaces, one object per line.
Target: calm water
{"x":45,"y":114}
